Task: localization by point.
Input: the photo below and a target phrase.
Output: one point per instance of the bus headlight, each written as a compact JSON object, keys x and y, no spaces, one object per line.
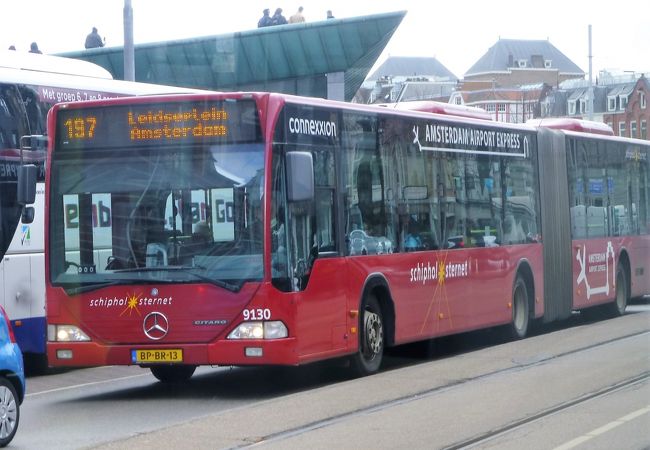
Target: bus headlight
{"x":260,"y":330}
{"x":65,"y":333}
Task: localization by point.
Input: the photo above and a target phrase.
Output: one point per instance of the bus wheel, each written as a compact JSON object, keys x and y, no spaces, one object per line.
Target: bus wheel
{"x":173,"y":373}
{"x":617,"y":308}
{"x":371,"y":339}
{"x":520,"y":310}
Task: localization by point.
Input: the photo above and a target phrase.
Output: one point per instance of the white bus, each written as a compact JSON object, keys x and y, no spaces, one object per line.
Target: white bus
{"x":29,"y":85}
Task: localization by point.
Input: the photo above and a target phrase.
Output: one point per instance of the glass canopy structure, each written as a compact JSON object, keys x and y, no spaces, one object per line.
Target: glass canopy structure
{"x":328,"y":58}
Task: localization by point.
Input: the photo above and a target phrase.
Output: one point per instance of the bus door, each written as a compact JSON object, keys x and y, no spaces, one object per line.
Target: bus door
{"x":308,"y":236}
{"x":592,"y":184}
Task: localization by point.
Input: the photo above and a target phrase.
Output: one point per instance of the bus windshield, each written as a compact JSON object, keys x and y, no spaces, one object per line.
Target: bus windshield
{"x":10,"y":208}
{"x":163,"y":210}
{"x":9,"y":214}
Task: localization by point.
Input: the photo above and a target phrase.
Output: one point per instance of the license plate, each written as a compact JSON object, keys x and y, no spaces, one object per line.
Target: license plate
{"x":170,"y":355}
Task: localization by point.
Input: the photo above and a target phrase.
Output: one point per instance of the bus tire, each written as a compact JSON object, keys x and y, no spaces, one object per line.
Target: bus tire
{"x":518,"y":328}
{"x":10,"y":411}
{"x":617,"y":307}
{"x":368,"y":358}
{"x":173,"y":373}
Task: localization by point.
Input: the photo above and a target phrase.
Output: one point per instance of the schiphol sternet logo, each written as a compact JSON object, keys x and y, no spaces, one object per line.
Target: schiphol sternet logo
{"x":439,"y":271}
{"x":130,"y":304}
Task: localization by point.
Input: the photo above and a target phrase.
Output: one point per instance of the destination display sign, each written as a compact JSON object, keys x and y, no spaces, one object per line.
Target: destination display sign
{"x":159,"y":124}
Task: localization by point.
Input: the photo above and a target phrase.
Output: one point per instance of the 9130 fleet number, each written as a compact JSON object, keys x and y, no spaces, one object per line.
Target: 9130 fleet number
{"x":257,"y":314}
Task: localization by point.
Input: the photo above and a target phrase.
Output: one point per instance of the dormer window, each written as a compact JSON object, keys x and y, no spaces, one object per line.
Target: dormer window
{"x":572,"y":107}
{"x":456,"y":99}
{"x":521,"y":63}
{"x":611,"y":103}
{"x":623,"y":102}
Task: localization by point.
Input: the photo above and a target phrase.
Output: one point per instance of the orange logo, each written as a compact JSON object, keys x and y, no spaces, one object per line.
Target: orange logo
{"x":132,"y":304}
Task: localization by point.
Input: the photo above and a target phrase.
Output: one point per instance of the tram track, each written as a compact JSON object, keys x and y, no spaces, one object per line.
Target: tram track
{"x":475,"y":440}
{"x":486,"y":437}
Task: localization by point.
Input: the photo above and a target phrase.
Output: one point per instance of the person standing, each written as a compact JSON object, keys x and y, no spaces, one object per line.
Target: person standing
{"x":34,"y":48}
{"x":297,"y":17}
{"x":278,"y":18}
{"x":94,"y":40}
{"x":265,"y":21}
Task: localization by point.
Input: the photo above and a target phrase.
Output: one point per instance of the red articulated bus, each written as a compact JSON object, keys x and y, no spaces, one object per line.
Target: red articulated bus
{"x":257,"y":228}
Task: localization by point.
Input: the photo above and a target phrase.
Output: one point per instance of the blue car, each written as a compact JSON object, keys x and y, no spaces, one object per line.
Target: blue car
{"x":12,"y":381}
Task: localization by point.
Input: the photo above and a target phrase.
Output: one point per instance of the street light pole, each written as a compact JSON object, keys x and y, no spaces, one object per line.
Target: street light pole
{"x":129,"y":53}
{"x":590,"y":95}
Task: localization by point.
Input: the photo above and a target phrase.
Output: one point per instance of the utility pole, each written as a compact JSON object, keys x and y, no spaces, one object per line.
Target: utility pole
{"x":129,"y":53}
{"x":590,"y":92}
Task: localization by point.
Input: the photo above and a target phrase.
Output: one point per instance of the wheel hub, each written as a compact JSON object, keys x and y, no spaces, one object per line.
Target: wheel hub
{"x":374,"y":333}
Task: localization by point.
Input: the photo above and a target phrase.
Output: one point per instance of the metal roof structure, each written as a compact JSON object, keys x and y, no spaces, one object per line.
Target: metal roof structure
{"x":507,"y":53}
{"x":293,"y":58}
{"x":412,"y":66}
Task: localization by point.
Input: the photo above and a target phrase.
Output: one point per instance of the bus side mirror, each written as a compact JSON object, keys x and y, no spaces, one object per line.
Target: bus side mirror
{"x":28,"y":215}
{"x":300,"y":176}
{"x":26,"y":184}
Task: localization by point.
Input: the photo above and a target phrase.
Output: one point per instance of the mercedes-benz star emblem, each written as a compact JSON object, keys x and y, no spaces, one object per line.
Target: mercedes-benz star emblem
{"x":155,"y":326}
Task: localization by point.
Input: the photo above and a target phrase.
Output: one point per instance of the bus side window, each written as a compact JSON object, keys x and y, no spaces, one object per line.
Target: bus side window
{"x":13,"y":121}
{"x":35,"y":109}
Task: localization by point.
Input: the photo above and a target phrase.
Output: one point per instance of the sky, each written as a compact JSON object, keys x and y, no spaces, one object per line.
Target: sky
{"x":456,"y":33}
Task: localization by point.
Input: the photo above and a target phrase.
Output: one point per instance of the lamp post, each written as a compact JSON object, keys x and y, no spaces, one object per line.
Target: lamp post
{"x":590,"y":90}
{"x":129,"y":53}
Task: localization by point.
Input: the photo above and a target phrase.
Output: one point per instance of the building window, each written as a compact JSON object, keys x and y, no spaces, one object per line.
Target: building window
{"x":621,"y":128}
{"x":644,"y":130}
{"x":490,"y":107}
{"x":457,"y":101}
{"x":642,"y":99}
{"x":633,"y":129}
{"x":572,"y":107}
{"x":623,"y":99}
{"x":501,"y":107}
{"x":548,"y":63}
{"x":611,"y":103}
{"x":583,"y":106}
{"x":521,"y":63}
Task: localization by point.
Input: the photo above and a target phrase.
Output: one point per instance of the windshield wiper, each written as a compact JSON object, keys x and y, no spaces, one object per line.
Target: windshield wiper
{"x":223,"y":284}
{"x":89,"y":287}
{"x":156,"y":269}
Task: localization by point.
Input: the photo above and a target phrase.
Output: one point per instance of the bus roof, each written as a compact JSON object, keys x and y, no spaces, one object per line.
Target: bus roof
{"x":83,"y":83}
{"x":448,"y":109}
{"x":12,"y":59}
{"x":569,"y":124}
